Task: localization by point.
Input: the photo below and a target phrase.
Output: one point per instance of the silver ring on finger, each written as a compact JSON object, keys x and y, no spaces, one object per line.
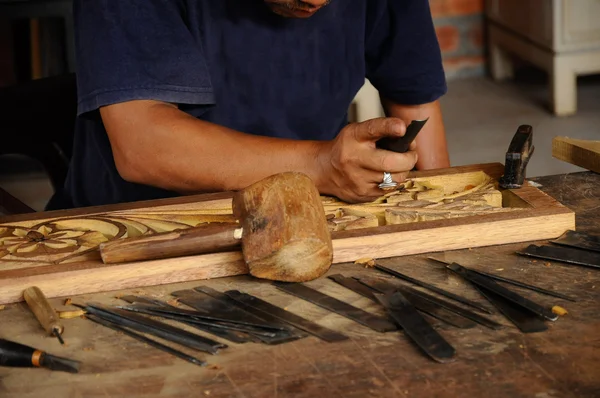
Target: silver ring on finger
{"x":387,"y":183}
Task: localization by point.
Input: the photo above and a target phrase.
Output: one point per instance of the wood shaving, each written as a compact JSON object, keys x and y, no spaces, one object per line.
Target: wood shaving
{"x":174,"y":302}
{"x":67,"y":301}
{"x":366,"y":261}
{"x":560,"y":311}
{"x":2,"y":307}
{"x":70,"y":314}
{"x":547,"y":264}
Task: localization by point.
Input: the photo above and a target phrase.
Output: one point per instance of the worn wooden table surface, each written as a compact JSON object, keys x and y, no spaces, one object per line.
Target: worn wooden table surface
{"x":563,"y":361}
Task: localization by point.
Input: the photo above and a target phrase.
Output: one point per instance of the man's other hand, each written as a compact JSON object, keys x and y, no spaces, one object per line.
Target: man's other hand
{"x":352,"y":166}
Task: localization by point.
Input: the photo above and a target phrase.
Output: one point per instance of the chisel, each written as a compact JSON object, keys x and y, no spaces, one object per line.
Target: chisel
{"x":14,"y":354}
{"x":44,"y":312}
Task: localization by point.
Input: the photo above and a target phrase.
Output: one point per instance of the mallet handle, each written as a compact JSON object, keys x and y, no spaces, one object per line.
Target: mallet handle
{"x":211,"y":238}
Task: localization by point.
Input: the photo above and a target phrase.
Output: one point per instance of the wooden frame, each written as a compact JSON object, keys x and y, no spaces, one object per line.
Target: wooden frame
{"x":537,"y":217}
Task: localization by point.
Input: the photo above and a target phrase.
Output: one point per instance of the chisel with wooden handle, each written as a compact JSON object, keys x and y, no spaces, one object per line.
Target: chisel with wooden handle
{"x":44,"y":312}
{"x":13,"y":354}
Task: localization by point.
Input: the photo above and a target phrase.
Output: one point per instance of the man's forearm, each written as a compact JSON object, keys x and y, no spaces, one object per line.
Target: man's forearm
{"x":432,"y":147}
{"x":162,"y":146}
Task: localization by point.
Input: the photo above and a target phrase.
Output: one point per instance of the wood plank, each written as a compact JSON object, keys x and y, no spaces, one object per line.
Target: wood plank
{"x":582,"y":153}
{"x":537,"y":216}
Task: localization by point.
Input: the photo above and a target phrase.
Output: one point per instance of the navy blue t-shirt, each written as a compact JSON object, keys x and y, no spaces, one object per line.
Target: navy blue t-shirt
{"x":237,"y":64}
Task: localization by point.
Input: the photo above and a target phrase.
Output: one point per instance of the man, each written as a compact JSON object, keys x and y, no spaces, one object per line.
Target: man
{"x":191,"y":96}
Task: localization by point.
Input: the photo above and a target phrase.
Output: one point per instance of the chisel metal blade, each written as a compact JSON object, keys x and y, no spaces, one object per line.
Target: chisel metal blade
{"x":355,"y":286}
{"x":433,"y":288}
{"x":233,"y":336}
{"x":211,"y":305}
{"x":375,"y":322}
{"x":490,"y":284}
{"x":385,"y":287}
{"x":526,"y":286}
{"x":579,"y":240}
{"x":315,"y":329}
{"x":420,"y":304}
{"x":416,"y":327}
{"x":514,"y":282}
{"x":208,"y":318}
{"x":272,"y":320}
{"x":156,"y":328}
{"x":563,"y":254}
{"x":525,"y":320}
{"x":195,"y":321}
{"x":146,"y":340}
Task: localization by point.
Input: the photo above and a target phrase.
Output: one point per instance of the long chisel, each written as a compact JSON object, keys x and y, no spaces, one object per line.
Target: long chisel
{"x":315,"y":329}
{"x":420,"y":304}
{"x":375,"y":322}
{"x":526,"y":286}
{"x":355,"y":286}
{"x":514,"y":282}
{"x":156,"y":328}
{"x":230,"y":335}
{"x":191,"y":320}
{"x":208,"y":318}
{"x":563,"y":254}
{"x":271,"y":319}
{"x":385,"y":287}
{"x":579,"y":240}
{"x":202,"y":301}
{"x":490,"y":284}
{"x":416,"y":327}
{"x":146,"y":340}
{"x":525,"y":320}
{"x":433,"y":288}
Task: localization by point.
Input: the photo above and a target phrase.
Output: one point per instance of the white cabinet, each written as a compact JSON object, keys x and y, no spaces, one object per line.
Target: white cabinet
{"x":559,"y":36}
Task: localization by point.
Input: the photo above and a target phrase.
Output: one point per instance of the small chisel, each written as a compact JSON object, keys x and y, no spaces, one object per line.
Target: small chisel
{"x":44,"y":312}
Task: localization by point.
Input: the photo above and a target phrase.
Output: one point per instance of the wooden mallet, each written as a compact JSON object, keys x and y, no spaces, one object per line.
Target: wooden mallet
{"x":282,"y":231}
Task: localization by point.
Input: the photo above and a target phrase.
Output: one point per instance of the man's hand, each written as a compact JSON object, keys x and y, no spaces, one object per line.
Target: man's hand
{"x":351,"y":165}
{"x":157,"y":144}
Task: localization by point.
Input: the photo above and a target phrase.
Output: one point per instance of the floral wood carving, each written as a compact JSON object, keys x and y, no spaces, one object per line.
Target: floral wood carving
{"x":67,"y":239}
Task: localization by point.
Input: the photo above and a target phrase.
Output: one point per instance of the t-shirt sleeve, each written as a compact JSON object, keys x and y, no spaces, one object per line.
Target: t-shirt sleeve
{"x":137,"y":49}
{"x":403,"y":57}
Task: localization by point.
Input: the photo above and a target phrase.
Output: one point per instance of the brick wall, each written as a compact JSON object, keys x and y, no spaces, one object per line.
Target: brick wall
{"x":459,"y":27}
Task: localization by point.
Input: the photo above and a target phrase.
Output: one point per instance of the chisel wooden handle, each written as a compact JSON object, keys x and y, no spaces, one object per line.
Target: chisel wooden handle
{"x":42,"y":310}
{"x":210,"y":238}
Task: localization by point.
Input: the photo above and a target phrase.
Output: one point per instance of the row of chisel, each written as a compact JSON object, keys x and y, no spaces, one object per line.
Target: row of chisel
{"x":240,"y":318}
{"x":236,"y":317}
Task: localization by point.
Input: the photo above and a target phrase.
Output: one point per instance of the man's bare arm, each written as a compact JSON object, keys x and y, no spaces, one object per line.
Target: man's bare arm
{"x":432,"y":148}
{"x":156,"y":144}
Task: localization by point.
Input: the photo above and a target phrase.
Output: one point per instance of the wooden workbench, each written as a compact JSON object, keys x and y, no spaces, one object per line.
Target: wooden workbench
{"x":563,"y":361}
